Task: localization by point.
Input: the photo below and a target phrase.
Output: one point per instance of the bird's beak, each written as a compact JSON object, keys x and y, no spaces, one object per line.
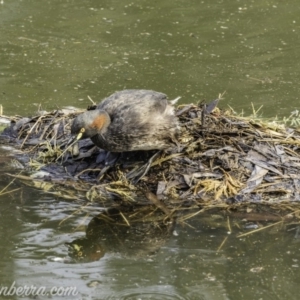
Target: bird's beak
{"x":72,"y":143}
{"x":75,"y":139}
{"x":80,"y":134}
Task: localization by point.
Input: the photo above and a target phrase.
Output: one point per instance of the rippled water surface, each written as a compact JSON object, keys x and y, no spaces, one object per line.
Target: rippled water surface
{"x":195,"y":260}
{"x":56,"y":53}
{"x":59,"y":52}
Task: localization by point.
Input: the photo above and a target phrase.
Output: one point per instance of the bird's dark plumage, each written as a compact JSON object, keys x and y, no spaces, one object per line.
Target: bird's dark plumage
{"x":130,"y":120}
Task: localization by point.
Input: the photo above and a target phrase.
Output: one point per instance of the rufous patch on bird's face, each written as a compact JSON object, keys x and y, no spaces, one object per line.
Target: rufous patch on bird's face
{"x":99,"y":122}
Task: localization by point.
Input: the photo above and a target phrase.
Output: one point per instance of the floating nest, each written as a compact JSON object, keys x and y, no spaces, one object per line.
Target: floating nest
{"x":220,"y":160}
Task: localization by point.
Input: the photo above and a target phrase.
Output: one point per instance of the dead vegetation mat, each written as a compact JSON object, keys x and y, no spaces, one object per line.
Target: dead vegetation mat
{"x":220,"y":160}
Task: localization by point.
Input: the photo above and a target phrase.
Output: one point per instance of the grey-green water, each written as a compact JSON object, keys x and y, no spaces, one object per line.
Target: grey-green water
{"x":55,"y":53}
{"x":59,"y":52}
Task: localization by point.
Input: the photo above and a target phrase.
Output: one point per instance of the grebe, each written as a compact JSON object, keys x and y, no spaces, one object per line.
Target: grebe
{"x":130,"y":120}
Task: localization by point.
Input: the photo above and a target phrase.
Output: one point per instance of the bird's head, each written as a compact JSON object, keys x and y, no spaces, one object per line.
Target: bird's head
{"x":90,"y":123}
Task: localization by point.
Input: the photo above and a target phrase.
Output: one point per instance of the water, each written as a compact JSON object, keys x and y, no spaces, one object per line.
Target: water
{"x":59,"y":52}
{"x":198,"y":260}
{"x":56,"y":53}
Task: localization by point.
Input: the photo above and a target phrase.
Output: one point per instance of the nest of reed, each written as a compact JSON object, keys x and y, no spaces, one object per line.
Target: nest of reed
{"x":222,"y":161}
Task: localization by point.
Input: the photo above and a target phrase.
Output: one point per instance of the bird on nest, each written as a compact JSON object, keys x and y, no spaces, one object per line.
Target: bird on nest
{"x":130,"y":120}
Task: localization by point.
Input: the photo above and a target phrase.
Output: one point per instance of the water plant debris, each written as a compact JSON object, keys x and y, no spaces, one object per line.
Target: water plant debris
{"x":219,"y":159}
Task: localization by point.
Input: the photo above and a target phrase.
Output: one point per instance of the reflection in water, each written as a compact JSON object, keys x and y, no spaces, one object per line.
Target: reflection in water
{"x":167,"y":261}
{"x":152,"y":258}
{"x":133,"y":233}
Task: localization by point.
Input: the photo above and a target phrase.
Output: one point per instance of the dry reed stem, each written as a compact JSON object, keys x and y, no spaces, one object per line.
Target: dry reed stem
{"x":31,"y":129}
{"x":9,"y":192}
